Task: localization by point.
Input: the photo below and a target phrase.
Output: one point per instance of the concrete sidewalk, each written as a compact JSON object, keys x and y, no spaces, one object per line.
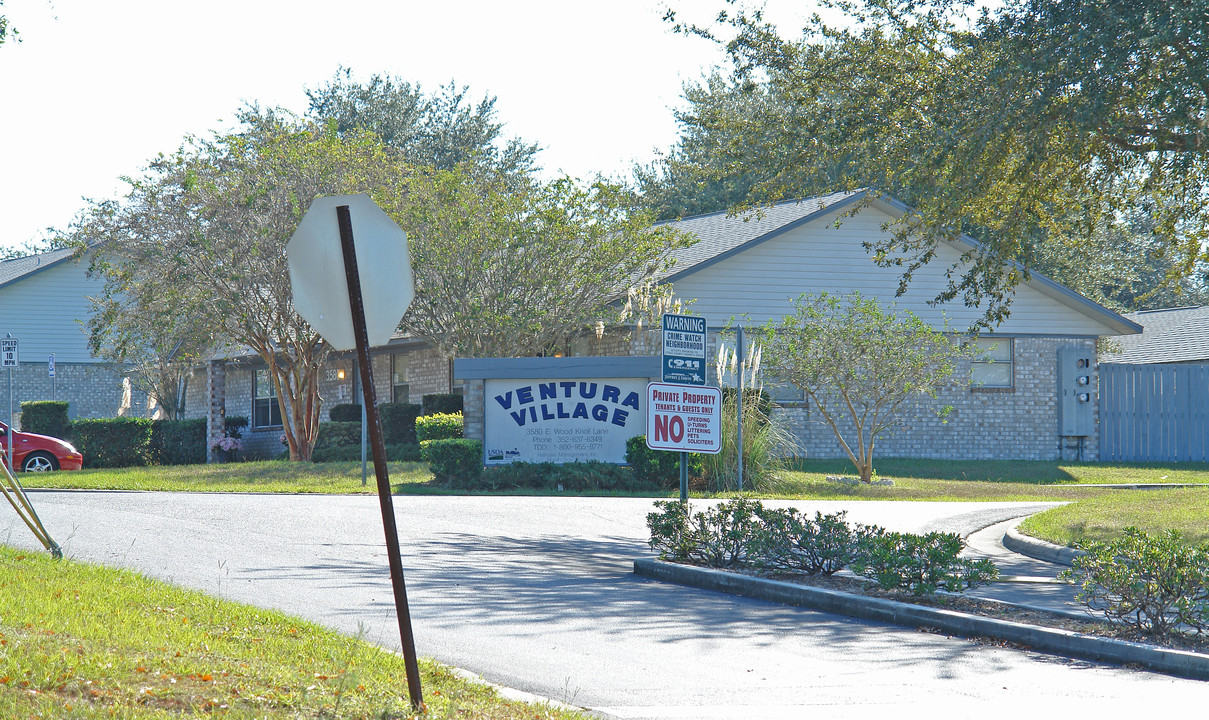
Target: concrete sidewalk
{"x":1025,"y":580}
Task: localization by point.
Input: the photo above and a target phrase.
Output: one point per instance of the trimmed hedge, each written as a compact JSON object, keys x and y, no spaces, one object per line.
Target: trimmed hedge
{"x":349,"y":453}
{"x":659,"y":468}
{"x":113,"y":442}
{"x":178,"y":442}
{"x":454,"y":461}
{"x":591,"y":476}
{"x":442,"y":404}
{"x":45,"y":417}
{"x":398,"y":423}
{"x":441,"y":426}
{"x":345,"y":412}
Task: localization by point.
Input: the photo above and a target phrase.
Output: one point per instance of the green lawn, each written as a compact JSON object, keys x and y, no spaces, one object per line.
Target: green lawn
{"x":1104,"y":516}
{"x":1095,"y":512}
{"x":80,"y":641}
{"x":270,"y":476}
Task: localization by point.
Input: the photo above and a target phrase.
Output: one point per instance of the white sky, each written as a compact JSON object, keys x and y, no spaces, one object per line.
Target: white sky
{"x":99,"y":87}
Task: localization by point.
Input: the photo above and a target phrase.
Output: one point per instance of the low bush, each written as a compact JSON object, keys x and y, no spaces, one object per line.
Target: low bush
{"x":398,"y":423}
{"x":723,"y":536}
{"x":1154,"y":585}
{"x":45,"y":417}
{"x":352,"y":453}
{"x":590,"y":476}
{"x":345,"y":412}
{"x":441,"y":404}
{"x":658,"y":468}
{"x":795,"y":544}
{"x":920,"y":564}
{"x":178,"y":442}
{"x":113,"y":442}
{"x":742,"y":533}
{"x":454,"y":461}
{"x":234,"y":425}
{"x":442,"y":426}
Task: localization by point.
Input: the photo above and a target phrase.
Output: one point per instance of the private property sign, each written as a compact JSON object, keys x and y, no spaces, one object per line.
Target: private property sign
{"x":684,"y":417}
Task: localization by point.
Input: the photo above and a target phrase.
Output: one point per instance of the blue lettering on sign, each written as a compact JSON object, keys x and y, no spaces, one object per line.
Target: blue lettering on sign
{"x":557,"y":392}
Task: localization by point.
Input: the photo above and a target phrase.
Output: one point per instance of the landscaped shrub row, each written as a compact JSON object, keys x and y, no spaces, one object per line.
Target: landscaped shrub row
{"x":1155,"y":585}
{"x":398,"y":421}
{"x":341,"y":442}
{"x":743,"y":534}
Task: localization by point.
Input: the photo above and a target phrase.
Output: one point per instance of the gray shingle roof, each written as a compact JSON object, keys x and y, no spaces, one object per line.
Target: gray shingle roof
{"x":17,"y":268}
{"x":721,"y":235}
{"x":1170,"y":335}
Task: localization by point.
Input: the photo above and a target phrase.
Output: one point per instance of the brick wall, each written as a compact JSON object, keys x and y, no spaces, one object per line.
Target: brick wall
{"x":90,"y":390}
{"x":1017,"y":423}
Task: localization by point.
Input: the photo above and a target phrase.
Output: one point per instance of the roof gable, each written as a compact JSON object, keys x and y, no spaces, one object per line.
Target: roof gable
{"x":734,"y":249}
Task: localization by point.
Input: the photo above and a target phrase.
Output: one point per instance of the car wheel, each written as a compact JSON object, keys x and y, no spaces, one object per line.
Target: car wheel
{"x":39,"y":462}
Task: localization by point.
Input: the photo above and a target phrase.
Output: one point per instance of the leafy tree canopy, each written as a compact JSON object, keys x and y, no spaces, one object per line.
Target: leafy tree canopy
{"x":508,"y":271}
{"x":201,"y":238}
{"x":439,"y":130}
{"x":1032,"y":125}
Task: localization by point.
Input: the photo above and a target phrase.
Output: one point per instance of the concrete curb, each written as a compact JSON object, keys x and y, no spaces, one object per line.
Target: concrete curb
{"x":1039,"y":549}
{"x":1180,"y":663}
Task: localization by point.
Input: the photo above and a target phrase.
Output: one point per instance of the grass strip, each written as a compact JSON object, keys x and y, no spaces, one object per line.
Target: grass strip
{"x":1103,"y":517}
{"x":269,"y":476}
{"x":82,"y":641}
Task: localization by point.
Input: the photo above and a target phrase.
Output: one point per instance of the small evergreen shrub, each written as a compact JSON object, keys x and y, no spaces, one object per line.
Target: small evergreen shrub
{"x":345,"y":412}
{"x":45,"y":417}
{"x":795,"y":544}
{"x":233,"y":425}
{"x":742,"y":533}
{"x":722,"y":537}
{"x":454,"y":461}
{"x":178,"y":442}
{"x":658,"y":468}
{"x":113,"y":442}
{"x":352,"y":453}
{"x":442,"y":404}
{"x":1154,"y":585}
{"x":441,"y":426}
{"x":920,"y":564}
{"x":590,"y":476}
{"x":398,"y":423}
{"x":332,"y":434}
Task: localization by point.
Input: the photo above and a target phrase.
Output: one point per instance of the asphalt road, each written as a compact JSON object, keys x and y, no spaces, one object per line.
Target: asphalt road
{"x":538,"y":594}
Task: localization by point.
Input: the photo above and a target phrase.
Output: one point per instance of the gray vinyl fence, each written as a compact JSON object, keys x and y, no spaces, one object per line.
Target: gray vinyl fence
{"x":1154,"y":413}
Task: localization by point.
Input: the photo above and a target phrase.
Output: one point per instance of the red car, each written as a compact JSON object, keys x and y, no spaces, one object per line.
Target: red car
{"x":40,"y":453}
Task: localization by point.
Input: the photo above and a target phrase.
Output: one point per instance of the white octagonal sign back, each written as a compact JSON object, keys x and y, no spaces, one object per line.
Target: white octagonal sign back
{"x":317,"y":270}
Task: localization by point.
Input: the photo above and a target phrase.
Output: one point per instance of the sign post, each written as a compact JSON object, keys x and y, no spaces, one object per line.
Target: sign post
{"x":374,"y":308}
{"x":683,"y":363}
{"x":50,"y":369}
{"x":9,"y":358}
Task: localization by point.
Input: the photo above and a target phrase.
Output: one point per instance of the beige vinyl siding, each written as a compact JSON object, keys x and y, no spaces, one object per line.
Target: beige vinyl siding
{"x":761,"y":280}
{"x":48,"y":310}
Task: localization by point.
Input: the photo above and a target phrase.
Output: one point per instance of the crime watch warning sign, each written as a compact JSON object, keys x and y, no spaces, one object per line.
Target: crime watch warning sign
{"x":683,"y":417}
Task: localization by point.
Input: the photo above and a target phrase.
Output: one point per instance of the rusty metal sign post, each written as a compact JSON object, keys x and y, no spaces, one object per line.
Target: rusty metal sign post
{"x":374,"y":425}
{"x":324,"y":240}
